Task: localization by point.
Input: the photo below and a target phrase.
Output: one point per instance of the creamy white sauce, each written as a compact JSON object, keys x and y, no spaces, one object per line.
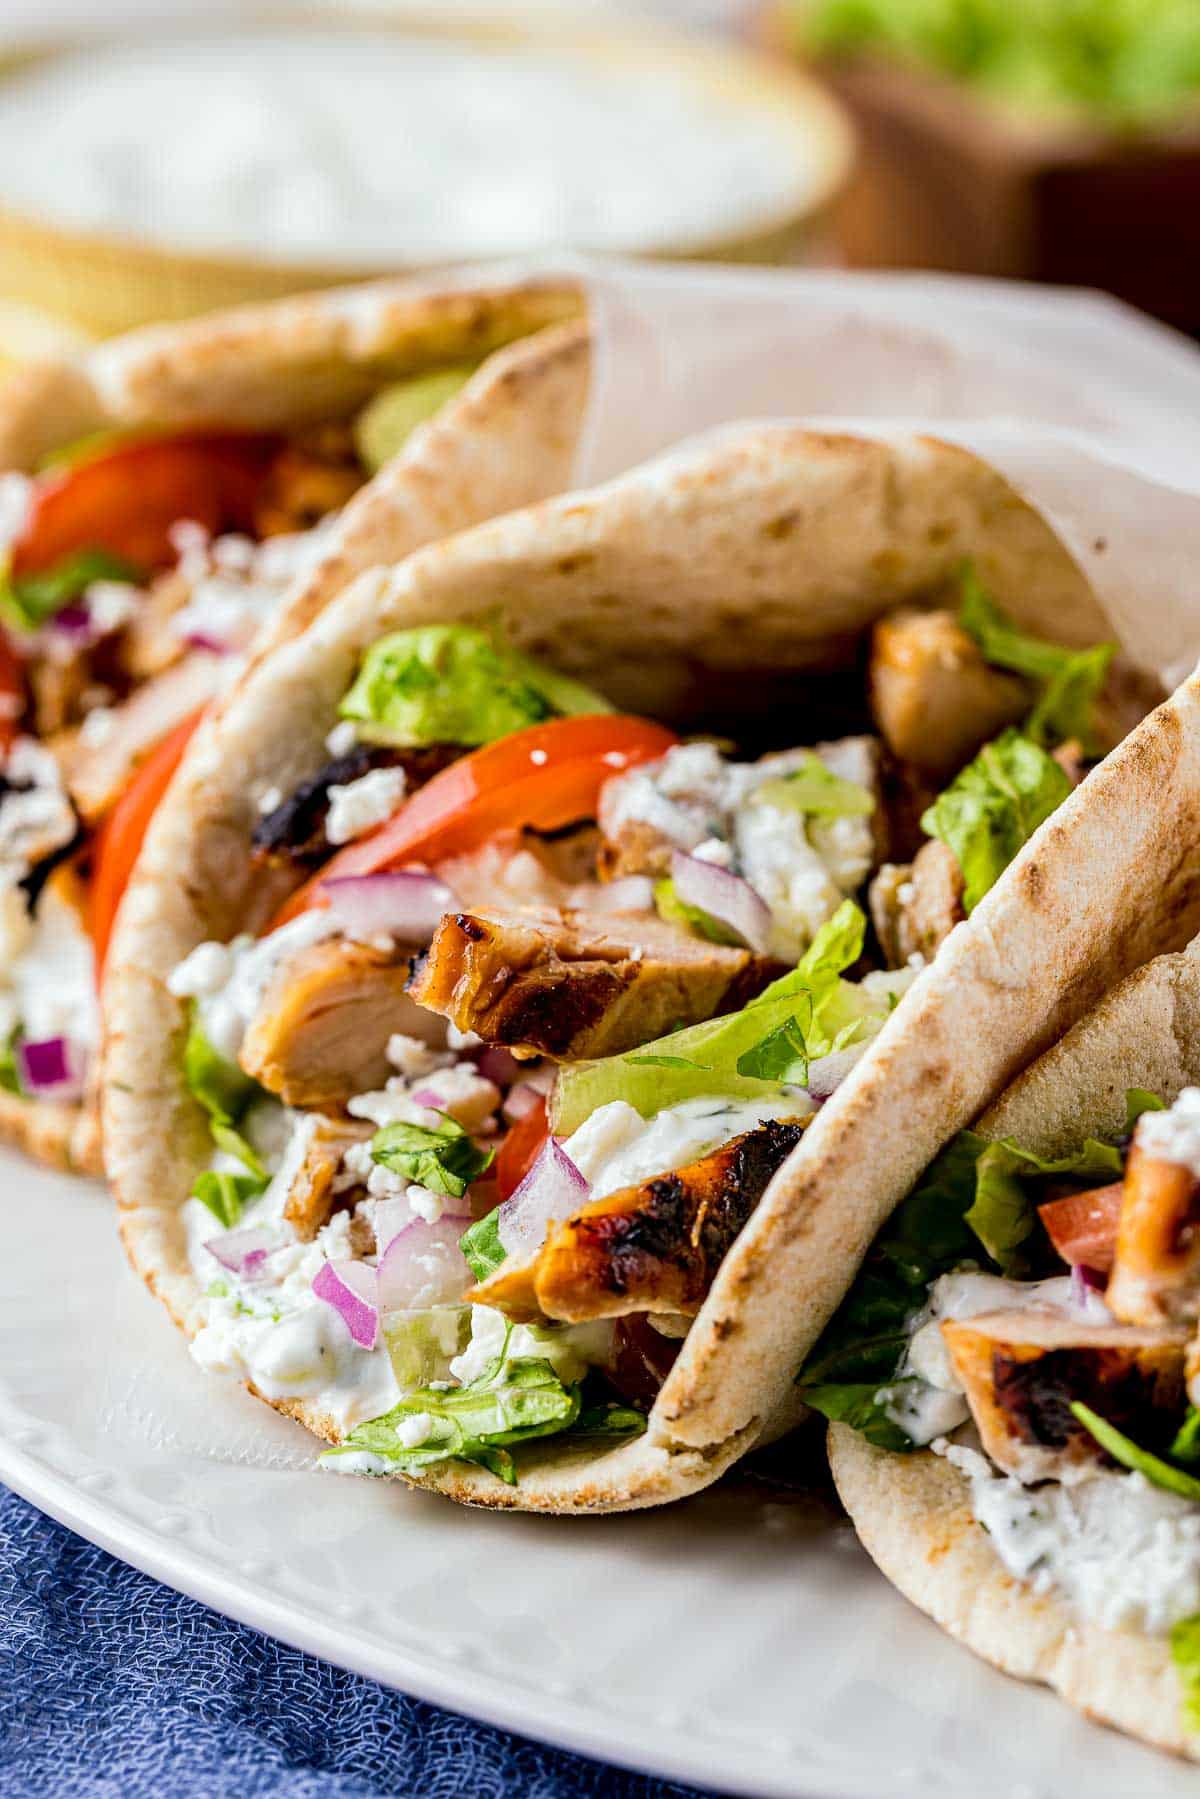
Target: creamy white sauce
{"x":616,"y":1147}
{"x":1173,"y":1135}
{"x":52,"y":981}
{"x":1123,"y":1552}
{"x":381,"y":148}
{"x":229,"y":980}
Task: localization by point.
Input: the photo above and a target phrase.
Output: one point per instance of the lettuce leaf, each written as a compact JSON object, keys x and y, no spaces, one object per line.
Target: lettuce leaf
{"x":10,"y":1068}
{"x":27,"y":601}
{"x":456,"y":684}
{"x":609,"y":1418}
{"x":721,"y":1056}
{"x":481,"y":1245}
{"x":816,"y":791}
{"x":993,"y":807}
{"x":388,"y":420}
{"x":225,"y":1093}
{"x":1004,"y":1214}
{"x":1186,"y":1444}
{"x":1069,"y":680}
{"x":514,"y":1400}
{"x":1131,"y":1455}
{"x":1185,"y":1653}
{"x":443,"y":1158}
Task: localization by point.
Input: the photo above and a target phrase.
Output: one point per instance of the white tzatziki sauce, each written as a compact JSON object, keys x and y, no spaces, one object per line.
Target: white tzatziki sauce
{"x":374,"y":147}
{"x":228,"y":980}
{"x":616,"y":1147}
{"x":1124,"y":1553}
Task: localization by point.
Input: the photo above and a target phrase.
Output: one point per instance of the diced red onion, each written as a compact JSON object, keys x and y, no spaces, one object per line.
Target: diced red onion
{"x":635,"y":893}
{"x":552,"y":1189}
{"x":352,"y":1289}
{"x":423,"y":1266}
{"x":499,"y":1066}
{"x":74,"y":620}
{"x":827,"y":1073}
{"x":725,"y":897}
{"x":1085,"y":1281}
{"x":244,"y":1253}
{"x":519,"y":1100}
{"x":398,"y":904}
{"x":200,"y":640}
{"x":51,"y":1067}
{"x":429,"y":1096}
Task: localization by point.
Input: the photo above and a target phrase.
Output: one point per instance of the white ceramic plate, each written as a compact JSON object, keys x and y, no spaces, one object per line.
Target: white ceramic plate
{"x":740,"y":1641}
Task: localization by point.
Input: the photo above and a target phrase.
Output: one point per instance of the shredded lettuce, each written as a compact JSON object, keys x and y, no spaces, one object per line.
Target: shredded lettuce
{"x":674,"y":910}
{"x":514,"y":1400}
{"x":1004,"y":1213}
{"x":1131,"y":1455}
{"x":1185,"y":1653}
{"x":993,"y":807}
{"x":609,"y":1419}
{"x":1068,"y":680}
{"x":422,"y":1344}
{"x":807,"y":1013}
{"x":456,"y":684}
{"x":443,"y":1158}
{"x":816,"y":791}
{"x":482,"y":1247}
{"x":27,"y":601}
{"x":10,"y":1068}
{"x":1186,"y":1444}
{"x":225,"y":1093}
{"x":387,"y":421}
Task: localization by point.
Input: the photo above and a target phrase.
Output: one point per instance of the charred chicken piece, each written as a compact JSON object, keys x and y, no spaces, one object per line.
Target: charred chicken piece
{"x":293,"y":834}
{"x":654,"y":1247}
{"x":310,"y":1201}
{"x":320,"y":1033}
{"x":311,"y":477}
{"x":1021,"y":1370}
{"x":934,"y":698}
{"x":570,"y":984}
{"x":1156,"y":1269}
{"x":914,"y":908}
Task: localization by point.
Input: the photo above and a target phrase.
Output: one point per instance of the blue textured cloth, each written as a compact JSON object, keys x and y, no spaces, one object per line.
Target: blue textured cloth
{"x":113,"y":1687}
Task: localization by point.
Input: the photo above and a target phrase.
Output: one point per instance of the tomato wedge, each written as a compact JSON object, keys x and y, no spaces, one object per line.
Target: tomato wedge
{"x":12,"y":693}
{"x":121,"y":835}
{"x":127,"y":499}
{"x":1083,"y":1226}
{"x":519,"y":1150}
{"x":546,"y":776}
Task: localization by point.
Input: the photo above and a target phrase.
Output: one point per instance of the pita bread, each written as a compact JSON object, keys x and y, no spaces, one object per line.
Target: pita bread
{"x":727,"y":568}
{"x":913,"y":1512}
{"x":506,"y":439}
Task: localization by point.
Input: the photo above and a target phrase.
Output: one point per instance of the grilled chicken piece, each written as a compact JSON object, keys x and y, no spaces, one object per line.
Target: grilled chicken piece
{"x":309,"y":479}
{"x":914,"y":908}
{"x":149,"y":641}
{"x":654,"y":1247}
{"x":934,"y":698}
{"x":1156,"y":1269}
{"x":98,"y":768}
{"x":293,"y":833}
{"x":310,"y":1199}
{"x":1021,"y":1370}
{"x":56,"y":691}
{"x":572,"y":984}
{"x":321,"y":1029}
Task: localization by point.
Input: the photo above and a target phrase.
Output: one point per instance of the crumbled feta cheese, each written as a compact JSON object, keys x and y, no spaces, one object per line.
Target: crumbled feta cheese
{"x":410,"y":1057}
{"x":98,"y":725}
{"x":36,"y":815}
{"x":342,"y":739}
{"x":1170,"y":1136}
{"x":714,"y":850}
{"x":361,"y":805}
{"x":270,"y":801}
{"x":111,"y":604}
{"x":205,"y":970}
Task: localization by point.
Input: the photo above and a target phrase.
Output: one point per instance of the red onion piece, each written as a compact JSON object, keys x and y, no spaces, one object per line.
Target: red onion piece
{"x":428,"y":1096}
{"x":725,"y":897}
{"x":827,"y":1073}
{"x":499,"y":1066}
{"x":423,"y":1266}
{"x":634,"y":893}
{"x":552,"y":1190}
{"x":244,"y":1253}
{"x":51,"y":1067}
{"x":199,"y":640}
{"x":519,"y":1100}
{"x":398,"y":904}
{"x":352,"y":1289}
{"x":74,"y":620}
{"x":1085,"y":1281}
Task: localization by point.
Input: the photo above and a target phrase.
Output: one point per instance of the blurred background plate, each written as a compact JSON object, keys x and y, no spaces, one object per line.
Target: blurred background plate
{"x":178,"y":166}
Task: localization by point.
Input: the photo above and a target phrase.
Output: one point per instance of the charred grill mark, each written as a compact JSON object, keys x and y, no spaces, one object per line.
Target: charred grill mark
{"x":294,"y":832}
{"x":550,"y":1009}
{"x":33,"y":884}
{"x":1036,"y":1393}
{"x":680,"y":1221}
{"x":471,"y":928}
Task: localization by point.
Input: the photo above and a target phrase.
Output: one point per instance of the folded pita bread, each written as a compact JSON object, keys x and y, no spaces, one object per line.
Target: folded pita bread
{"x":913,"y":1512}
{"x":724,"y":570}
{"x":506,"y":439}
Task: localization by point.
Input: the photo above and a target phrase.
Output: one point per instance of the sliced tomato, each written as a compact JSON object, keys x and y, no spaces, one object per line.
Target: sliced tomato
{"x":12,"y":693}
{"x":519,"y":1150}
{"x":120,"y":837}
{"x":546,"y":776}
{"x":127,"y":499}
{"x":1083,"y":1226}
